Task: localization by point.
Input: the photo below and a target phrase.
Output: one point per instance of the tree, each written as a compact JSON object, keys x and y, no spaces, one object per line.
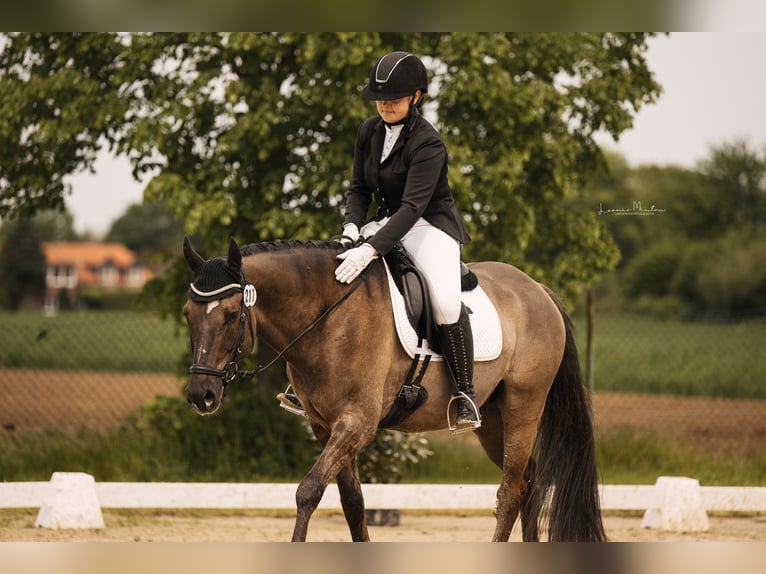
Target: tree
{"x":737,"y":176}
{"x":702,"y":253}
{"x":147,"y":228}
{"x":22,"y":267}
{"x":252,"y":134}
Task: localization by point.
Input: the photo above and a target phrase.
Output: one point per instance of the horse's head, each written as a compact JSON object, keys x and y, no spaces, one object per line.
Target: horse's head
{"x":222,"y":330}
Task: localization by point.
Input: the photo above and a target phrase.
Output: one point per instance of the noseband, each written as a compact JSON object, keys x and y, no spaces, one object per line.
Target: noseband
{"x":231,"y":369}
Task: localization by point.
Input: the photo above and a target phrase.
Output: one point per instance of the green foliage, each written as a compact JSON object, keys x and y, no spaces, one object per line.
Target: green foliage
{"x":147,"y":228}
{"x":251,"y":134}
{"x":702,"y":253}
{"x":250,"y":440}
{"x":167,"y":441}
{"x":625,"y":456}
{"x":651,"y":272}
{"x":22,"y":267}
{"x":455,"y":459}
{"x":385,"y":459}
{"x":733,"y":279}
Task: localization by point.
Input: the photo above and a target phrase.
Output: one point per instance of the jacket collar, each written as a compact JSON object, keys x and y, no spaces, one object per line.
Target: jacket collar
{"x":379,"y":134}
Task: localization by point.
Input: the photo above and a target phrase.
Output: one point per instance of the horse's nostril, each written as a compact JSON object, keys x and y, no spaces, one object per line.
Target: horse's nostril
{"x":209,"y":399}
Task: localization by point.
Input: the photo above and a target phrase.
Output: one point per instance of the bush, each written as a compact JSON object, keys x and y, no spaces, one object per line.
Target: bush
{"x":249,"y":440}
{"x":733,"y":281}
{"x":98,"y":298}
{"x":385,"y":458}
{"x":651,"y":271}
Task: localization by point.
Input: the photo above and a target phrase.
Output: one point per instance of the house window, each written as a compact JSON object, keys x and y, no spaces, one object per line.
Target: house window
{"x":61,"y":276}
{"x":70,"y":277}
{"x":135,"y":276}
{"x":109,"y":275}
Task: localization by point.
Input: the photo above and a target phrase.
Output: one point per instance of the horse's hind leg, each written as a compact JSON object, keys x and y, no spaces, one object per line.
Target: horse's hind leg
{"x":507,"y":440}
{"x":347,"y":437}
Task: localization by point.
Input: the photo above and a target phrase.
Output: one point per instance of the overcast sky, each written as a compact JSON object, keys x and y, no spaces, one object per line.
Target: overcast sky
{"x":714,"y":90}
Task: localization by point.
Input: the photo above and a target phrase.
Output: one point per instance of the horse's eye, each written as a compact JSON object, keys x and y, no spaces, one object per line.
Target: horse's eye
{"x":231,"y":316}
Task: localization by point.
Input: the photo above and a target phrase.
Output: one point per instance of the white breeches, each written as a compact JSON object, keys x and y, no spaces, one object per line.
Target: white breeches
{"x":437,"y":256}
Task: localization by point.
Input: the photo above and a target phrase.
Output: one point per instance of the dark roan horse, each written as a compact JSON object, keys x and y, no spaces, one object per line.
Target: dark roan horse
{"x":347,"y":367}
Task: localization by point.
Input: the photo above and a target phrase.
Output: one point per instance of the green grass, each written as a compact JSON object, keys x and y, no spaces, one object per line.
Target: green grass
{"x":625,"y":456}
{"x":632,"y":353}
{"x":650,"y":355}
{"x":628,"y":456}
{"x":100,"y":340}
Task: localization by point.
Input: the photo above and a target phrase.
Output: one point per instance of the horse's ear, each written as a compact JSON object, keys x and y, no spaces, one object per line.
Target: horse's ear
{"x":193,"y":258}
{"x":234,"y":259}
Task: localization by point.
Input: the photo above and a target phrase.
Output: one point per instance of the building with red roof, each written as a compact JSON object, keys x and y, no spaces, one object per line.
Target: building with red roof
{"x":71,"y":266}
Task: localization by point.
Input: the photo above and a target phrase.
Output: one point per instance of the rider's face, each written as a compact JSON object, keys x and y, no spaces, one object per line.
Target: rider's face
{"x":393,"y":111}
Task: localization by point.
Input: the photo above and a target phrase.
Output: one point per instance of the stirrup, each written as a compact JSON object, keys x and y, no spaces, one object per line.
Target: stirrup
{"x":290,"y":403}
{"x":468,"y":425}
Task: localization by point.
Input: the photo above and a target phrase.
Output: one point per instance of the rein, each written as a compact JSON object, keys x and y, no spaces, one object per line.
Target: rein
{"x":362,"y":277}
{"x":231,"y":370}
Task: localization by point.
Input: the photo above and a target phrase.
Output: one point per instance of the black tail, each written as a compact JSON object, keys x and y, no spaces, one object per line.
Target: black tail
{"x":565,"y":459}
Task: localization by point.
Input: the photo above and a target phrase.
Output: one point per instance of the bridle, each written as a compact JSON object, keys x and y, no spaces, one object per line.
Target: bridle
{"x":231,"y":370}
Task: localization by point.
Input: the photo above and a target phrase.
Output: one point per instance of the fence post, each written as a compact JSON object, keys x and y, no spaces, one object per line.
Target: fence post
{"x":679,"y":506}
{"x":71,"y":502}
{"x":589,"y":366}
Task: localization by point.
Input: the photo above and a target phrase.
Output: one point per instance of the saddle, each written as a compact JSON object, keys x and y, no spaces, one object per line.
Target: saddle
{"x":417,"y":301}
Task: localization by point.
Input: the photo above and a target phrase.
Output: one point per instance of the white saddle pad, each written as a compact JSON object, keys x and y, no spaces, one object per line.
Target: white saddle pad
{"x":485,"y":324}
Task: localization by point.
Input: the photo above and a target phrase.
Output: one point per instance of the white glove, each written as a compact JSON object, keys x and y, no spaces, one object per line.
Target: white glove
{"x":351,"y":234}
{"x":354,"y":262}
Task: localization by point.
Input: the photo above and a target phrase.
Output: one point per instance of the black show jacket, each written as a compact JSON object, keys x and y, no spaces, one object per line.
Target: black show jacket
{"x":410,"y":183}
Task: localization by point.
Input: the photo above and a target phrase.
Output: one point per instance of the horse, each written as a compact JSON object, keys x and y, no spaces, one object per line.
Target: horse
{"x":346,"y":366}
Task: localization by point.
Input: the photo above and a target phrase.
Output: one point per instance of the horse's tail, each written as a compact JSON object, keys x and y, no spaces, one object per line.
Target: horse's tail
{"x":564,"y":458}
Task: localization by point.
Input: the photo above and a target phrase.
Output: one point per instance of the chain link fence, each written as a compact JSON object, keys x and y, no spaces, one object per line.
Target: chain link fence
{"x":703,"y":381}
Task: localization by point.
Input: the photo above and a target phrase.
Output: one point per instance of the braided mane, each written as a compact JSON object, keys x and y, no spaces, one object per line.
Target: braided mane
{"x":288,"y":244}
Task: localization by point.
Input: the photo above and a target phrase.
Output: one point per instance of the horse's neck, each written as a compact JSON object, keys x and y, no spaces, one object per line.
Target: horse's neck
{"x":292,"y":291}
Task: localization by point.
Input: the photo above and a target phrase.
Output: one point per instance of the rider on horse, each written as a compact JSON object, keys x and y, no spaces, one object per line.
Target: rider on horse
{"x":400,"y":161}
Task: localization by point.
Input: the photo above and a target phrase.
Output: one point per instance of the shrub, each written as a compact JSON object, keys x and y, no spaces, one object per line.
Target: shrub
{"x":651,"y":271}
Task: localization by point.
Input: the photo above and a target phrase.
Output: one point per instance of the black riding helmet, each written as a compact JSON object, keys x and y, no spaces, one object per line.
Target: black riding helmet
{"x":396,"y":75}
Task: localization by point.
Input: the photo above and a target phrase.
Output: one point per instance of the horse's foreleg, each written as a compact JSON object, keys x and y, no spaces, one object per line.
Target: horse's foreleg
{"x":353,"y":502}
{"x":347,"y":437}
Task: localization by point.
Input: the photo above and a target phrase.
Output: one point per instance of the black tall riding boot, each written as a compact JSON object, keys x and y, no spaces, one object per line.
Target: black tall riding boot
{"x":457,"y":347}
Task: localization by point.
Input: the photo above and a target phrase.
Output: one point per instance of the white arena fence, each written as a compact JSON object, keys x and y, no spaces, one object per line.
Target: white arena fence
{"x":75,"y":500}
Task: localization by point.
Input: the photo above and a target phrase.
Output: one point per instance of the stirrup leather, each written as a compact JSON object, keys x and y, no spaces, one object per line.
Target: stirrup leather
{"x":465,"y":427}
{"x":290,"y":403}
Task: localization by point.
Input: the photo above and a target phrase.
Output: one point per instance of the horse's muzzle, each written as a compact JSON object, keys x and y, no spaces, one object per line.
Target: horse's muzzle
{"x":205,"y":396}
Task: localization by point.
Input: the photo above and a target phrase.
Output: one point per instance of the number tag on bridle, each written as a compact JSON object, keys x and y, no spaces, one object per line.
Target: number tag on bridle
{"x":249,"y":295}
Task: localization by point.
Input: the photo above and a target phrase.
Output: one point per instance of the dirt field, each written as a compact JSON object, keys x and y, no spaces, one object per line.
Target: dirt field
{"x":34,"y":399}
{"x":98,"y":400}
{"x":144,"y":526}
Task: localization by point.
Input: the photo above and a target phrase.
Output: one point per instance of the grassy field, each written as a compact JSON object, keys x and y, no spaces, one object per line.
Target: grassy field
{"x":632,"y":353}
{"x":98,"y":341}
{"x":649,"y":355}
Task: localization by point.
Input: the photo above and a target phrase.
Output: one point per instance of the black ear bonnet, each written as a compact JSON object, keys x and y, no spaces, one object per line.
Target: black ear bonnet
{"x":216,"y":279}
